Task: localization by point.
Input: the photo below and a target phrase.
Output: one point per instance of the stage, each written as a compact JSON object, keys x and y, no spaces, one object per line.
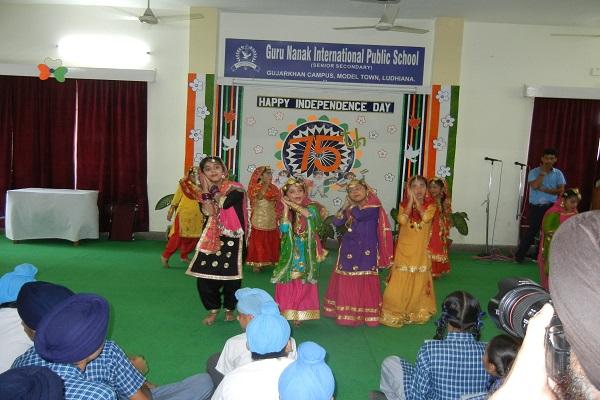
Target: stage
{"x":157,"y":313}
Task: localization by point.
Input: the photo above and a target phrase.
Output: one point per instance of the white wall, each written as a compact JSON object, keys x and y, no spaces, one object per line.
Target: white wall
{"x":30,"y":34}
{"x":494,"y":117}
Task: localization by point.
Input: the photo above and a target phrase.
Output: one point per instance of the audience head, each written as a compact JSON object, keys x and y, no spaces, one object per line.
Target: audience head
{"x":268,"y":333}
{"x":574,"y":274}
{"x":462,"y":312}
{"x":11,"y":282}
{"x":74,"y":330}
{"x":500,"y":354}
{"x":36,"y":299}
{"x":249,"y":303}
{"x":309,"y":377}
{"x":31,"y":383}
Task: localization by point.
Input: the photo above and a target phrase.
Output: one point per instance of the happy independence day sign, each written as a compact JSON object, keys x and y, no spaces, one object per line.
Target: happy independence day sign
{"x":324,"y":62}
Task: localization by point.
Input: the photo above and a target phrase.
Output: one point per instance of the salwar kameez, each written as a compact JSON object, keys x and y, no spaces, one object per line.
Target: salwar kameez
{"x":409,"y":297}
{"x":354,"y":294}
{"x":296,"y":273}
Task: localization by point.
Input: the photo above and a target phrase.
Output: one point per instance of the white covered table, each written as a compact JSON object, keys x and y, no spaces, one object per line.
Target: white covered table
{"x":36,"y":213}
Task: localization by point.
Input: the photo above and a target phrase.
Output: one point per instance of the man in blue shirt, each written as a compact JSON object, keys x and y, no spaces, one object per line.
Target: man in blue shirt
{"x":546,"y":183}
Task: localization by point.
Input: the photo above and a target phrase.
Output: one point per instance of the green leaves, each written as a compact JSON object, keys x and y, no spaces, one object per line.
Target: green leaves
{"x":459,"y":221}
{"x":164,"y":202}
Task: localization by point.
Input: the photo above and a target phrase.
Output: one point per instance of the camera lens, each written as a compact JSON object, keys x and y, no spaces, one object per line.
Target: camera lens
{"x":518,"y":300}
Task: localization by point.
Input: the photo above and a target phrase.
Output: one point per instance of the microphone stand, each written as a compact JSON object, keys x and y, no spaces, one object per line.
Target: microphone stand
{"x":487,"y":252}
{"x":521,"y":197}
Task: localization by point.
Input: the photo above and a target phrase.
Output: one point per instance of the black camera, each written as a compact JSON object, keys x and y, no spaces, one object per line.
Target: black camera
{"x":517,"y":301}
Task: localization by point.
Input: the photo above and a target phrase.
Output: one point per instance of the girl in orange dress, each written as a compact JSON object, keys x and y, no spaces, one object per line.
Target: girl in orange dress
{"x":409,"y":297}
{"x":440,"y":228}
{"x":265,"y":198}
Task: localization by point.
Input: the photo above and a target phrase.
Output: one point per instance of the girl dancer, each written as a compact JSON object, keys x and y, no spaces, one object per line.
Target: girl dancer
{"x":409,"y":297}
{"x":354,"y":296}
{"x":440,"y":228}
{"x":218,"y":260}
{"x":186,"y":228}
{"x":295,"y":275}
{"x":564,"y":208}
{"x":263,"y":240}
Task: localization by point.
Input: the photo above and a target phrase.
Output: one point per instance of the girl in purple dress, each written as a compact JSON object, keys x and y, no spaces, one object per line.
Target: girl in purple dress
{"x":354,"y":296}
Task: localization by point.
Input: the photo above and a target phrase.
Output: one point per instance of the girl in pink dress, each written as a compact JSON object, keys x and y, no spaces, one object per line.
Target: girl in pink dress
{"x":354,"y":294}
{"x":295,"y":275}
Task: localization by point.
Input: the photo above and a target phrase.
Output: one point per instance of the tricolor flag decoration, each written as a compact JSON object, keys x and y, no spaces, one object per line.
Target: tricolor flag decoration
{"x":428,"y":139}
{"x":199,"y":118}
{"x":213,"y":122}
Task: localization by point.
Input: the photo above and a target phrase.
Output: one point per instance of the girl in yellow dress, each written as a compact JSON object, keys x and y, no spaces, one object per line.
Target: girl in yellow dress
{"x":409,"y":297}
{"x":189,"y":221}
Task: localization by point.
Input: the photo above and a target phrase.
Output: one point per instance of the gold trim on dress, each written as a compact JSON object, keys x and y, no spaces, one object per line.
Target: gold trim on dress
{"x":263,"y":215}
{"x":294,"y":315}
{"x":357,"y":318}
{"x":439,"y":258}
{"x":323,"y":256}
{"x":259,"y":264}
{"x":397,"y":320}
{"x":355,"y":273}
{"x":335,"y":308}
{"x":412,"y":268}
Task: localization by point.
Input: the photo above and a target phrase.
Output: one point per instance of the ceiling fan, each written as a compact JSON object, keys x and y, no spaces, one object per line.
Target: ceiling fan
{"x":150,"y":18}
{"x":386,"y":22}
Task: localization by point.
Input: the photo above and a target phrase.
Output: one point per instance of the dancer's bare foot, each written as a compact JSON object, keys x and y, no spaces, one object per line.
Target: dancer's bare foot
{"x":164,"y":261}
{"x":185,"y":260}
{"x":256,"y":269}
{"x":229,"y":316}
{"x":210,"y":318}
{"x":296,"y":323}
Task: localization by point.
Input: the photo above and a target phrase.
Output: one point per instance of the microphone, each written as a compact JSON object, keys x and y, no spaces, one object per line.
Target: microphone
{"x":520,"y":164}
{"x":491,"y":159}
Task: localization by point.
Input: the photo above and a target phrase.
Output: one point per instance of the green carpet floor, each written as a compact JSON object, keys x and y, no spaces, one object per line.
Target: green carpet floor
{"x":156,"y":312}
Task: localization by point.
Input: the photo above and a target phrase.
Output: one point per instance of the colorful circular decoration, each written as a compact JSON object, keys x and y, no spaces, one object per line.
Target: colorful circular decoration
{"x":318,"y":146}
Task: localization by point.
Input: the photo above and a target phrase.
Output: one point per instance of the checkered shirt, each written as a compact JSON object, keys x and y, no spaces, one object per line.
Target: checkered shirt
{"x":446,"y":369}
{"x":109,"y":373}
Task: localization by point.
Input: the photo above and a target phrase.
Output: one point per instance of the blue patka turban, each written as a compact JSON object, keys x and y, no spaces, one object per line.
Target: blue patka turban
{"x":307,"y":378}
{"x":250,"y":300}
{"x":11,"y":282}
{"x":73,"y":330}
{"x":31,"y":383}
{"x":268,"y":332}
{"x":36,"y":299}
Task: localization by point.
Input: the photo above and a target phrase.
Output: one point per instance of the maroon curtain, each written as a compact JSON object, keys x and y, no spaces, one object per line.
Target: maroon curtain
{"x":111,"y":145}
{"x":43,"y":124}
{"x":6,"y":113}
{"x":572,"y":127}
